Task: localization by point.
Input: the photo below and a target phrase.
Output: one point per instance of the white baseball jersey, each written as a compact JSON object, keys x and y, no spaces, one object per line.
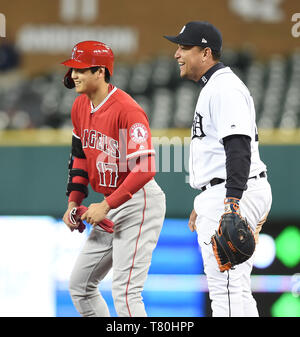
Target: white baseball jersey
{"x":225,"y":107}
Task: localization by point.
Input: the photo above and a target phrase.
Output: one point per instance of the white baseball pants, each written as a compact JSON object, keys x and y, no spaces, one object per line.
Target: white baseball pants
{"x":230,"y":291}
{"x":138,"y":224}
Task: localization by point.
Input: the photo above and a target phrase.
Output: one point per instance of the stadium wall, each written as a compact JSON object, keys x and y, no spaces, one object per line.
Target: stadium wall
{"x":33,"y":180}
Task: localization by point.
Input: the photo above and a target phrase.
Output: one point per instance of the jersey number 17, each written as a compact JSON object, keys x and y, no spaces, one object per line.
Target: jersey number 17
{"x":108,"y":174}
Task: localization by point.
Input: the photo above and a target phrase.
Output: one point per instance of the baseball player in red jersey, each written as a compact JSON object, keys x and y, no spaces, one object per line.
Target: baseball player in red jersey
{"x":112,"y":151}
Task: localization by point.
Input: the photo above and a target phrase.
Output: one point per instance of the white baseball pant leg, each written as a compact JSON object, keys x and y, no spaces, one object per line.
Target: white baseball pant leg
{"x":230,"y":291}
{"x":91,"y":266}
{"x":138,"y":224}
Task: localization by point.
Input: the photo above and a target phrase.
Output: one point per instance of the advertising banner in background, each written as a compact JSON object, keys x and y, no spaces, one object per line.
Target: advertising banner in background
{"x":45,"y":30}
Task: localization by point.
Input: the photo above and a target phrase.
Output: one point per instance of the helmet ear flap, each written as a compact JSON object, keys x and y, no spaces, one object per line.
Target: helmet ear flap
{"x":68,"y":80}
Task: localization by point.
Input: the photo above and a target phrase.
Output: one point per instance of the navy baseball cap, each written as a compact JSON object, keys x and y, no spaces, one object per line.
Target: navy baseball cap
{"x":198,"y":33}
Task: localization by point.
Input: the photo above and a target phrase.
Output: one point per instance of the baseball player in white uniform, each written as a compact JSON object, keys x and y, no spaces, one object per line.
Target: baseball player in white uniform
{"x":224,"y":162}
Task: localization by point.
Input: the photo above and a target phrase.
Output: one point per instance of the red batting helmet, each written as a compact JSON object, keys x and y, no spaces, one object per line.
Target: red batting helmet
{"x":89,"y":54}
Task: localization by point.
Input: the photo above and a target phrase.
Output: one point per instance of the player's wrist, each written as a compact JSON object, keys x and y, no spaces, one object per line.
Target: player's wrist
{"x":118,"y":197}
{"x":232,"y":205}
{"x":106,"y":206}
{"x":72,"y":204}
{"x":76,"y":197}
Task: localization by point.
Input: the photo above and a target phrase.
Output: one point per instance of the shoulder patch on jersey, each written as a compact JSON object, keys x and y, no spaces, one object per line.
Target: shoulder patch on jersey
{"x":138,"y":133}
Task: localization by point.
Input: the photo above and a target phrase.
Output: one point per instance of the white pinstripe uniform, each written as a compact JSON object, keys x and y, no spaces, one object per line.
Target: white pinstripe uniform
{"x":225,"y":108}
{"x":223,"y":126}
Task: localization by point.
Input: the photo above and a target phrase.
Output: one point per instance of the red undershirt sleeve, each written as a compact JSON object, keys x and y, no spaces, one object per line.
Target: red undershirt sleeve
{"x":141,"y":174}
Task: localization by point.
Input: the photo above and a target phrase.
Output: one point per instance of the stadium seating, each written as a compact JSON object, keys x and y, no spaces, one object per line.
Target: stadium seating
{"x":43,"y":102}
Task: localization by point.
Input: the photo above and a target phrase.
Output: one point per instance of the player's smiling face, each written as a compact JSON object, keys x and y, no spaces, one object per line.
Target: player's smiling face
{"x":85,"y":81}
{"x":191,"y":61}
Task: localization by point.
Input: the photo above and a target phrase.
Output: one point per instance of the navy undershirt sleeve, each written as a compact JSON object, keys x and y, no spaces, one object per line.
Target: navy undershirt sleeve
{"x":238,"y":160}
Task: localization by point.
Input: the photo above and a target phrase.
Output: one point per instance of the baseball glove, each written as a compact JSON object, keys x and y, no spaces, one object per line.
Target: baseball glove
{"x":233,"y":243}
{"x":75,"y":217}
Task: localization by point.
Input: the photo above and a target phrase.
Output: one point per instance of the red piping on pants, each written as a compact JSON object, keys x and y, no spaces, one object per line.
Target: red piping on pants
{"x":137,"y":240}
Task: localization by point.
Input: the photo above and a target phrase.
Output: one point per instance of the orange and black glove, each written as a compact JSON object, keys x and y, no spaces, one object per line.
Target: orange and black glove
{"x":233,"y":243}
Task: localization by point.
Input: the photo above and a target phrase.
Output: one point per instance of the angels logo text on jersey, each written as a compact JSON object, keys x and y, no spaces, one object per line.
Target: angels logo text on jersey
{"x":96,"y":140}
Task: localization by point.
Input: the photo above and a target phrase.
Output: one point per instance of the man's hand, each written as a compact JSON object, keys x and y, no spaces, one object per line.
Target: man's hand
{"x":192,"y":221}
{"x":96,"y":213}
{"x":66,"y":218}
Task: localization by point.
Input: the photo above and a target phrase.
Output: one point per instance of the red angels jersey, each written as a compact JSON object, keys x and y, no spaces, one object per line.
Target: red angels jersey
{"x":111,"y":133}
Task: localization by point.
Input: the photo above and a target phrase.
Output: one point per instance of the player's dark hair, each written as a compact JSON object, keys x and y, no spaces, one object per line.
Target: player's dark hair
{"x":216,"y":54}
{"x":107,"y":74}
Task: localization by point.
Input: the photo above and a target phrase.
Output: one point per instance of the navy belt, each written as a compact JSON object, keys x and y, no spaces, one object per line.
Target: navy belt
{"x":216,"y":181}
{"x":261,"y":175}
{"x":213,"y":182}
